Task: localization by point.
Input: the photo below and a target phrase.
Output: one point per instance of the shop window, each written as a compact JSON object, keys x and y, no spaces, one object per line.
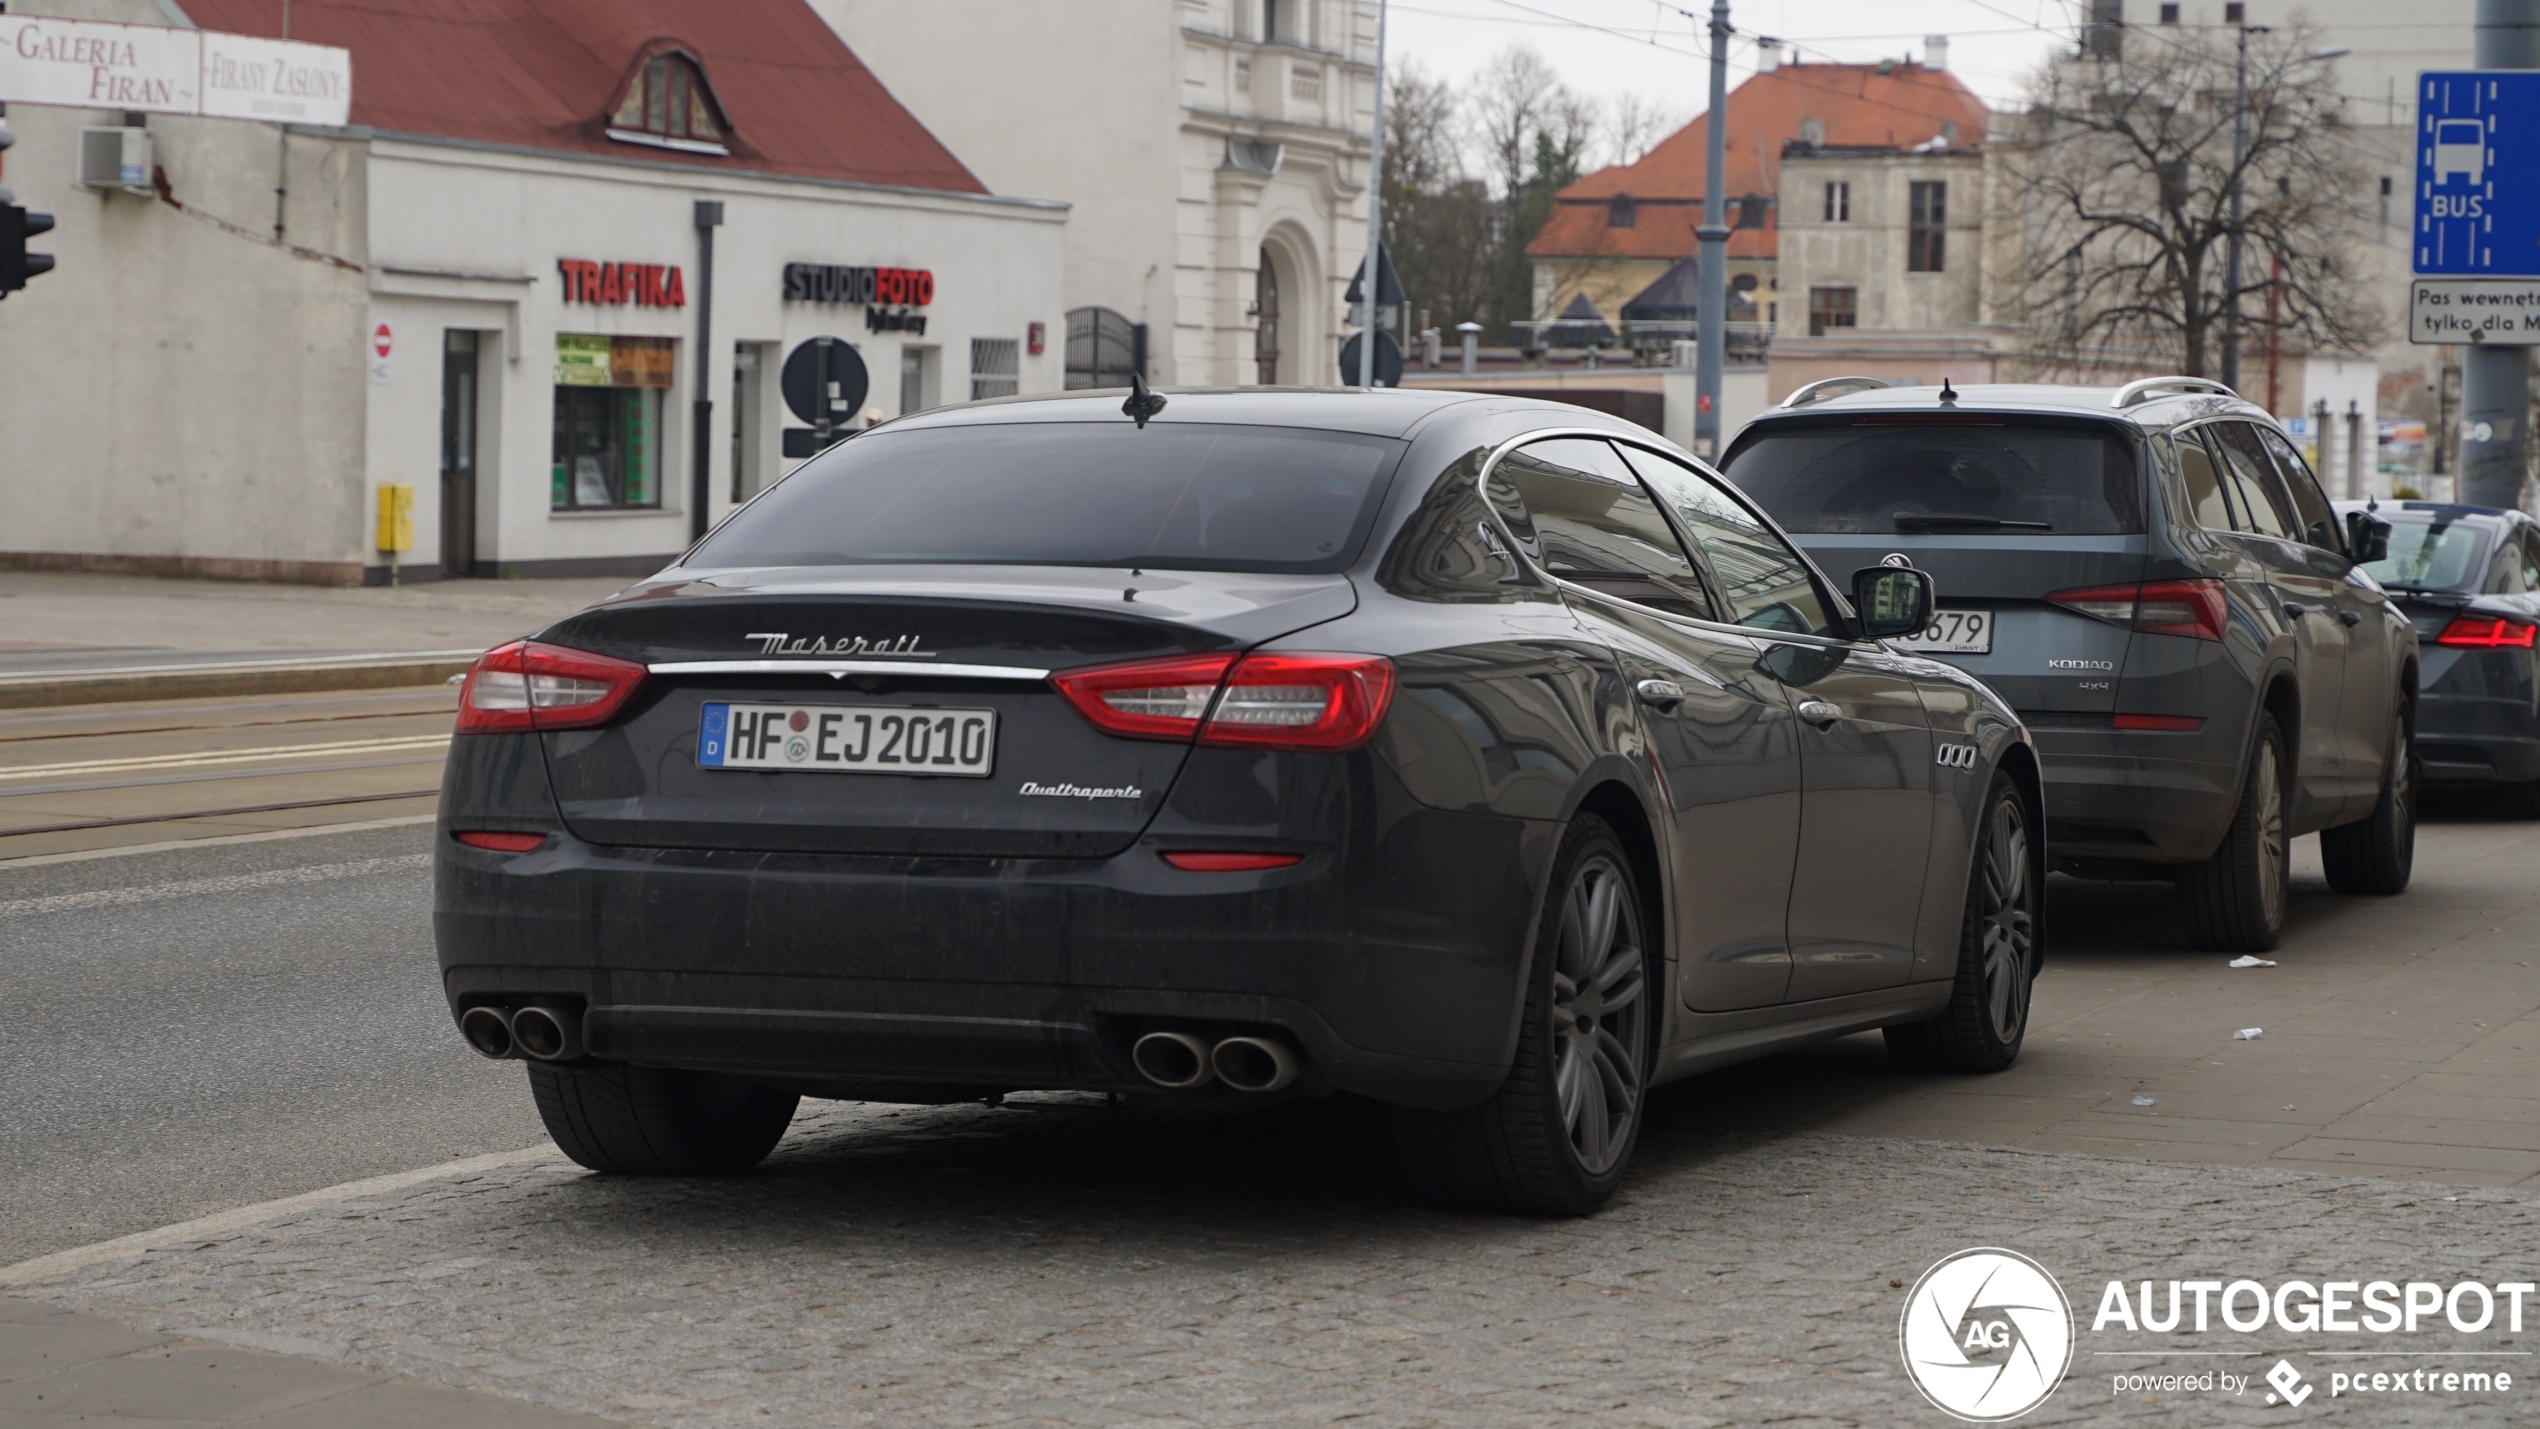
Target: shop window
{"x":1926,"y":229}
{"x":995,"y":367}
{"x":608,"y":437}
{"x":1833,"y":307}
{"x":668,"y":104}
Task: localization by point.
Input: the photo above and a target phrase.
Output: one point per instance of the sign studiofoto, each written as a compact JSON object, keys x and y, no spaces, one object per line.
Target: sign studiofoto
{"x":2475,"y":242}
{"x":886,"y":293}
{"x":153,"y":69}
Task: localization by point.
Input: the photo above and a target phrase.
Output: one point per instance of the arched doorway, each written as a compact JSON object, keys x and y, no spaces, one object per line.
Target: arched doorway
{"x":1265,"y":332}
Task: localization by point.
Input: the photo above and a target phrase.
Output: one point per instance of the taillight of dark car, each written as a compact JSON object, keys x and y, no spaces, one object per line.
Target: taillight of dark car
{"x":2488,"y":632}
{"x":529,"y":686}
{"x":1274,"y":700}
{"x":2195,"y":608}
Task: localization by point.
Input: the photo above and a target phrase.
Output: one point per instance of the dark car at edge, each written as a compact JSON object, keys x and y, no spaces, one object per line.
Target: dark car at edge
{"x":1486,"y":758}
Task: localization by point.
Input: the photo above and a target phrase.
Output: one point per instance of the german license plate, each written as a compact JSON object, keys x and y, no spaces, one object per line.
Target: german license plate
{"x":1954,"y":632}
{"x":848,"y":739}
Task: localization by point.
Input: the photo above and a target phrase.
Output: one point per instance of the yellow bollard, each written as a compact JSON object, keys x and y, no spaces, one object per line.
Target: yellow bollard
{"x":396,"y":523}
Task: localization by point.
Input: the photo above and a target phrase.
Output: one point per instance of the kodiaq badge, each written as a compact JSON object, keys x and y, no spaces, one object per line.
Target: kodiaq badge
{"x":2081,"y":664}
{"x":898,"y":647}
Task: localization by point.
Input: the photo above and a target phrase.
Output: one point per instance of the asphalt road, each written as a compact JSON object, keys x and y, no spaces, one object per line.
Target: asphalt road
{"x":190,"y":1030}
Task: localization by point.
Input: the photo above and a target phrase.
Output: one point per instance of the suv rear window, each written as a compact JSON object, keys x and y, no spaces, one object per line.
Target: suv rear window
{"x":1979,"y":477}
{"x":1211,"y":498}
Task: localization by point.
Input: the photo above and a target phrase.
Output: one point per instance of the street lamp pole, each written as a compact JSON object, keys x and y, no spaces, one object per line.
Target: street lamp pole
{"x":1711,"y":334}
{"x":2496,"y":380}
{"x":1373,"y":288}
{"x":2231,"y":263}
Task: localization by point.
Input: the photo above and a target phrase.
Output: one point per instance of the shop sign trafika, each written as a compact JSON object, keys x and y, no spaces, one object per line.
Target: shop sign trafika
{"x":152,"y":69}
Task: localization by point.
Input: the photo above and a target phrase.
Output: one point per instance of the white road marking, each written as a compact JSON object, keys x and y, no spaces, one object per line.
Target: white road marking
{"x":207,"y":887}
{"x":62,"y":1262}
{"x":164,"y":845}
{"x":228,"y":756}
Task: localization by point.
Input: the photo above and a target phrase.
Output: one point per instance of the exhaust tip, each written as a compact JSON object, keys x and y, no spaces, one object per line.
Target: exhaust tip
{"x":545,"y":1034}
{"x":1254,"y":1064}
{"x":489,"y":1032}
{"x":1175,"y":1060}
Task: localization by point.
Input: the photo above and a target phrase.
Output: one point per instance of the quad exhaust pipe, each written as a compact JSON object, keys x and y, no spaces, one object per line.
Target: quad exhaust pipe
{"x":541,"y":1034}
{"x":1179,"y":1061}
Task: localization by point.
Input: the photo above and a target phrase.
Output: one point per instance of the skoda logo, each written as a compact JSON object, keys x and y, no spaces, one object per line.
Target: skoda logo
{"x":1986,"y":1335}
{"x":1897,"y":560}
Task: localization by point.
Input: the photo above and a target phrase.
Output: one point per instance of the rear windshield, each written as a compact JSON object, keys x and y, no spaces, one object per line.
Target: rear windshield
{"x":1212,"y":498}
{"x":2431,"y":551}
{"x":1959,"y":478}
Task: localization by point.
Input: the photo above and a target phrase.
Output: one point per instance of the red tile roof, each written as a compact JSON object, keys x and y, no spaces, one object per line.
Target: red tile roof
{"x":544,"y":73}
{"x":1859,"y":106}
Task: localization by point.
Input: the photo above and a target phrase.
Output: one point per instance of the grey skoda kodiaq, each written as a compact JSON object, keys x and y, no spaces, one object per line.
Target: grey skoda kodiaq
{"x":2153,"y":578}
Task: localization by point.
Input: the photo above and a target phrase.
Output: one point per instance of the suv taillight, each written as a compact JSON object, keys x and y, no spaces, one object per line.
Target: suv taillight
{"x":526,"y":685}
{"x":2488,"y":632}
{"x":2195,"y":609}
{"x":1272,"y":700}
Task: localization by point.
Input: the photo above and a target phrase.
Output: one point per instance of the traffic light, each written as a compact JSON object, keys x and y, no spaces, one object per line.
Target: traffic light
{"x":17,"y":225}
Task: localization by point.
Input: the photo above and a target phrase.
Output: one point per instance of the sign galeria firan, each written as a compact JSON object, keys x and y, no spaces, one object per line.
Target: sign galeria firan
{"x":86,"y":64}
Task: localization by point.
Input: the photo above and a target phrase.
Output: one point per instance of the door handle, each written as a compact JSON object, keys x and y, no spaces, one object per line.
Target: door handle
{"x":2349,"y":619}
{"x":1820,"y":712}
{"x":1665,"y":694}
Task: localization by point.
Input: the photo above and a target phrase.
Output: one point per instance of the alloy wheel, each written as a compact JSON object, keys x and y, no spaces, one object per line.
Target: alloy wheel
{"x":2008,"y":926}
{"x":1599,"y":1014}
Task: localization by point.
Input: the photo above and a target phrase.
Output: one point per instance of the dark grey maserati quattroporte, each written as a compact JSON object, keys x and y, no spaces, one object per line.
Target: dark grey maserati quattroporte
{"x":1488,"y":758}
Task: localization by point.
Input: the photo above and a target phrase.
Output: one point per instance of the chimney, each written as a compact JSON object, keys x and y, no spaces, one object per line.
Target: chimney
{"x":1936,"y":53}
{"x":1768,"y":54}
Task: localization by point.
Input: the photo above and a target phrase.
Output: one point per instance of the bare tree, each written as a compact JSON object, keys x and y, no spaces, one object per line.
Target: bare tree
{"x":1534,"y":131}
{"x":2119,"y":182}
{"x":1438,"y":220}
{"x":1634,"y":122}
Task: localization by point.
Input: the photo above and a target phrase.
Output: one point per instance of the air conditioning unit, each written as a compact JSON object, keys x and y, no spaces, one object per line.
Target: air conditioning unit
{"x":111,"y":159}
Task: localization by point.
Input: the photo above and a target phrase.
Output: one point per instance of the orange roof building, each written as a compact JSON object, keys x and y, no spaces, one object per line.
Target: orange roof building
{"x":1617,"y":231}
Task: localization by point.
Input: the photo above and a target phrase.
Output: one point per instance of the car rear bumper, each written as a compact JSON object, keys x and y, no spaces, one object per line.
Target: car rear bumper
{"x":2476,"y":740}
{"x":1396,"y":977}
{"x":2142,"y":796}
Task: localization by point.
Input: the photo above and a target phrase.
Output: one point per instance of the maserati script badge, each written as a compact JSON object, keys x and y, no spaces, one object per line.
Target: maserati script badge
{"x":779,"y":642}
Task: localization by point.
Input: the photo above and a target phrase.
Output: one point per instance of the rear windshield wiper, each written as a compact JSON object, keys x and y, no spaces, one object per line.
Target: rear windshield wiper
{"x":1907,"y":521}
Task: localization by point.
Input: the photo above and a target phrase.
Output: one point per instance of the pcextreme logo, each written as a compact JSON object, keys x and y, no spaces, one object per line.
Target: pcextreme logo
{"x":1987,"y":1335}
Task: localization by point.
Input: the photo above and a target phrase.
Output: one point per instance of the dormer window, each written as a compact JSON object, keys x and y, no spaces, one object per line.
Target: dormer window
{"x":1622,"y":211}
{"x":668,"y":105}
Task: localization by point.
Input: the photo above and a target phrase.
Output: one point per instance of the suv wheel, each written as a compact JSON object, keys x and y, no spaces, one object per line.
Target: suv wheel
{"x":1987,"y":1016}
{"x":654,"y":1121}
{"x":1556,"y":1137}
{"x":2376,"y":854}
{"x":2235,"y":900}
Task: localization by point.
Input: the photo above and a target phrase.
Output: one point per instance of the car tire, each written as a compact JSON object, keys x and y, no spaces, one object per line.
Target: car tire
{"x":2376,"y":854}
{"x":654,"y":1121}
{"x":1987,"y":1017}
{"x":1555,"y":1139}
{"x":2235,"y":900}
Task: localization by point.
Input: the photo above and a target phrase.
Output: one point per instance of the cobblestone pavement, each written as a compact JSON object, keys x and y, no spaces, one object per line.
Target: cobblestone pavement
{"x":1058,"y":1262}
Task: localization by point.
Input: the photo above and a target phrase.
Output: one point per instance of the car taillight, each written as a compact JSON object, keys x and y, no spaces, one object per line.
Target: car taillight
{"x":2488,"y":632}
{"x":526,"y":686}
{"x":1271,"y":700}
{"x":2195,"y":608}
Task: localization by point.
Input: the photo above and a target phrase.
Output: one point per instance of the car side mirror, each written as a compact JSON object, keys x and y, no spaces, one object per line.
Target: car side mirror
{"x":2367,"y":538}
{"x":1893,"y":600}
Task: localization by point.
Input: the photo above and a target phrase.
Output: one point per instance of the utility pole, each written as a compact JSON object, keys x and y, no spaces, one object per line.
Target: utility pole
{"x":2231,"y":263}
{"x":1712,"y":333}
{"x":2495,"y":379}
{"x":1374,"y":289}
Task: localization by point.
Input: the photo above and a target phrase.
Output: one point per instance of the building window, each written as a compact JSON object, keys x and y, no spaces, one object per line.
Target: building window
{"x":1750,"y":211}
{"x":1833,"y":307}
{"x":2235,"y":13}
{"x":1274,"y":17}
{"x":668,"y":104}
{"x":995,"y":367}
{"x":1265,"y":332}
{"x":608,"y":421}
{"x":1305,"y":81}
{"x":1839,"y":202}
{"x":2169,"y":14}
{"x":1924,"y":250}
{"x":1622,"y":211}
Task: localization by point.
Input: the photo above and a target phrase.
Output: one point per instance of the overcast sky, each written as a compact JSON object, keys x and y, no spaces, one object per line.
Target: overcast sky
{"x":1657,"y":50}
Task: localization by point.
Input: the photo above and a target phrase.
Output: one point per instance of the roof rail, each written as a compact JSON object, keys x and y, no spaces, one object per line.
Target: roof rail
{"x":2143,"y":389}
{"x":1821,"y":390}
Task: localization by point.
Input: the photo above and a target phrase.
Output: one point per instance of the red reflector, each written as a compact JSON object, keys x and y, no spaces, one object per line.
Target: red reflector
{"x":1231,"y":862}
{"x":526,"y":685}
{"x":2481,"y":632}
{"x":2175,"y":724}
{"x":500,"y":843}
{"x":1270,"y":700}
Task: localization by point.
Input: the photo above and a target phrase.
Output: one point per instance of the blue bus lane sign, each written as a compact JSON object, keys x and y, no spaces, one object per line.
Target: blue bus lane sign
{"x":2476,"y":237}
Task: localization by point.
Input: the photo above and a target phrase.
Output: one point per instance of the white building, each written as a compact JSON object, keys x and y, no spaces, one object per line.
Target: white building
{"x":489,"y":289}
{"x":1214,"y":154}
